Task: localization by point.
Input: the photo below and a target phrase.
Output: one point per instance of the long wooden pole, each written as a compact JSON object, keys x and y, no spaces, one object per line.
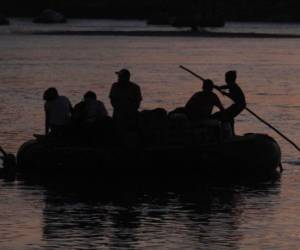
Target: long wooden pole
{"x":251,"y":112}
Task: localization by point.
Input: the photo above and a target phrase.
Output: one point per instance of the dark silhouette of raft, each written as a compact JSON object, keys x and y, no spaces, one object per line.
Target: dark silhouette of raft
{"x":237,"y":158}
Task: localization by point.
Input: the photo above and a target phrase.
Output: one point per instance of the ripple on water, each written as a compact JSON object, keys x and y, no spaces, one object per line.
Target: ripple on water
{"x":257,"y":218}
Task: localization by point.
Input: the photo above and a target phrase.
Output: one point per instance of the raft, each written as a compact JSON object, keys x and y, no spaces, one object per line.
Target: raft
{"x":240,"y":157}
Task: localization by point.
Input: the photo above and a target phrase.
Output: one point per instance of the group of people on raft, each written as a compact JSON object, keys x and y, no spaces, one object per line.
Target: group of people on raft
{"x":90,"y":121}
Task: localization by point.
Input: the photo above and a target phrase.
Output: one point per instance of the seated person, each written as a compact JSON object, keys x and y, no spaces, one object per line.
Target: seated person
{"x":58,"y":111}
{"x":201,"y":104}
{"x":91,"y":121}
{"x":89,"y":110}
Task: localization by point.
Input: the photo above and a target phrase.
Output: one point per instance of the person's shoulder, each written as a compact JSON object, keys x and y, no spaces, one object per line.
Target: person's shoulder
{"x":100,"y":103}
{"x":79,"y":105}
{"x":134,"y":85}
{"x":64,"y":98}
{"x":214,"y":94}
{"x":136,"y":89}
{"x":215,"y":97}
{"x":115,"y":84}
{"x":235,"y":86}
{"x":195,"y":96}
{"x":198,"y":94}
{"x":114,"y":89}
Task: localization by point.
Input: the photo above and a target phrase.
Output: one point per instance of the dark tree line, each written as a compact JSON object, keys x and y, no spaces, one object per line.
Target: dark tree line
{"x":231,"y":10}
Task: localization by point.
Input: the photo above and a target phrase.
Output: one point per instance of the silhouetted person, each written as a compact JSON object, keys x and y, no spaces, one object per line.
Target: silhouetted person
{"x":89,"y":110}
{"x":201,"y":104}
{"x":236,"y":94}
{"x":90,"y":120}
{"x":58,"y":111}
{"x":125,"y":97}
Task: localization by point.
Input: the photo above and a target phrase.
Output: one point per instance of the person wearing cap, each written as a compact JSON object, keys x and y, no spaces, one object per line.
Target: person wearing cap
{"x":125,"y":97}
{"x":236,"y":94}
{"x":201,"y":104}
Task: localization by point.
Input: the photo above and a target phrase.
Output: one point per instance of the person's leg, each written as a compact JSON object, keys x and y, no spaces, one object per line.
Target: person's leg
{"x":232,"y":126}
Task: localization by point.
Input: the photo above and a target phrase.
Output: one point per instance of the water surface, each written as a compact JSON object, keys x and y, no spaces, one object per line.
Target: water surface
{"x":264,"y":216}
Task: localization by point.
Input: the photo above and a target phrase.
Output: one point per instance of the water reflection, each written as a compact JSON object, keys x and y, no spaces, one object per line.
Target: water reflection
{"x":212,"y":218}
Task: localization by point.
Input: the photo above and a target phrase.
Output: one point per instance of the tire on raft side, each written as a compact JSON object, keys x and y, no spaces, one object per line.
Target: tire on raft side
{"x":28,"y":155}
{"x":253,"y":154}
{"x":242,"y":157}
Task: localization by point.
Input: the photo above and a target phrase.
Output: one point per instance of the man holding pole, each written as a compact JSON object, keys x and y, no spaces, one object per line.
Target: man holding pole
{"x":238,"y":97}
{"x":236,"y":94}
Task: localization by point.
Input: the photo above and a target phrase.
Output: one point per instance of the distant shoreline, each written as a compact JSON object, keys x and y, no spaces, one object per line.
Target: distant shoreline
{"x":164,"y":34}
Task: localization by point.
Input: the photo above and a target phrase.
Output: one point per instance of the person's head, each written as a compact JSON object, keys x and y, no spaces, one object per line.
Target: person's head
{"x":90,"y":95}
{"x":50,"y":94}
{"x":123,"y":75}
{"x":230,"y":77}
{"x":208,"y":85}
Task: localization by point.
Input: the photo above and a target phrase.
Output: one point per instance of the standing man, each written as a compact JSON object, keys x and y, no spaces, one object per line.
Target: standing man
{"x":236,"y":94}
{"x":125,"y":97}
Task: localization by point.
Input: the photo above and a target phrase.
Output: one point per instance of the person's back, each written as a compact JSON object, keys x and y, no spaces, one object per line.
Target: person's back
{"x":90,"y":120}
{"x":89,"y":110}
{"x":58,"y":110}
{"x":201,"y":104}
{"x":95,"y":109}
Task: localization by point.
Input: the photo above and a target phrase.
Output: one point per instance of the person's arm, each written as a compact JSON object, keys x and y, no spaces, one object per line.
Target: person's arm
{"x":139,"y":98}
{"x":71,"y":107}
{"x":226,"y":94}
{"x":112,"y":97}
{"x":3,"y":152}
{"x":136,"y":98}
{"x":221,"y":90}
{"x":103,"y":109}
{"x":47,"y":127}
{"x":222,"y":87}
{"x":218,"y":104}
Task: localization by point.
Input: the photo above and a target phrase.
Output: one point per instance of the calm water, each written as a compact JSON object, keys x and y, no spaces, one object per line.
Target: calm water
{"x":265,"y":216}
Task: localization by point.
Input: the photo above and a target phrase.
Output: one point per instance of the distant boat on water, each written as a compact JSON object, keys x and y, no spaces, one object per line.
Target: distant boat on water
{"x":198,"y":21}
{"x":191,"y":15}
{"x":186,"y":21}
{"x":50,"y":16}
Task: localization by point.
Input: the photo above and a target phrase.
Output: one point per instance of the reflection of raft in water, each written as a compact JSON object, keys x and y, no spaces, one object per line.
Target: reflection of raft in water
{"x":251,"y":155}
